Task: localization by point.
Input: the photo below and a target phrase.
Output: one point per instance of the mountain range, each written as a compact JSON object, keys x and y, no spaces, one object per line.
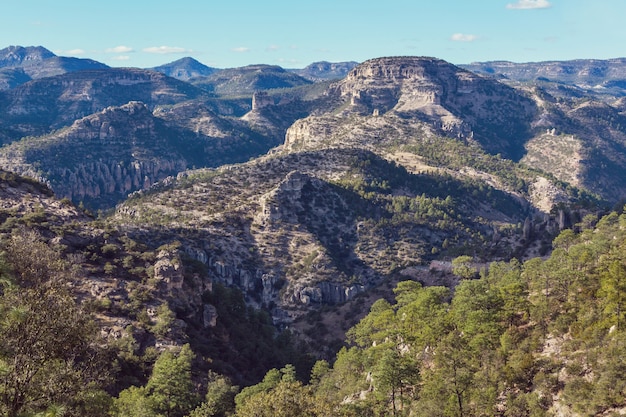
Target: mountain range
{"x":303,"y":189}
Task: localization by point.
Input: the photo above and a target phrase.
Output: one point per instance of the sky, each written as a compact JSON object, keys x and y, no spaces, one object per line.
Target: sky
{"x":295,"y":33}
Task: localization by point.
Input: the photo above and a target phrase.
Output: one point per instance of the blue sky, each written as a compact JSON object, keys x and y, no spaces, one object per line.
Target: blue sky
{"x":294,"y":33}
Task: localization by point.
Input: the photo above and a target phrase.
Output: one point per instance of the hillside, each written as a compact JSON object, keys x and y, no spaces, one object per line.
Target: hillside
{"x":185,"y":69}
{"x":101,"y":158}
{"x":320,"y":227}
{"x":252,"y":221}
{"x":246,"y":80}
{"x":40,"y":106}
{"x":37,"y":62}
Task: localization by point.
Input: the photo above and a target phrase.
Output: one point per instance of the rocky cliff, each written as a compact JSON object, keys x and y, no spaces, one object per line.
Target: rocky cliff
{"x":319,"y":227}
{"x":400,"y":99}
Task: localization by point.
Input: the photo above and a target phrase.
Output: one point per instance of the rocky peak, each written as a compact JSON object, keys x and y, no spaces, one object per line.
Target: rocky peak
{"x":185,"y":69}
{"x":406,"y":83}
{"x":283,"y":202}
{"x":418,"y":94}
{"x":15,"y":56}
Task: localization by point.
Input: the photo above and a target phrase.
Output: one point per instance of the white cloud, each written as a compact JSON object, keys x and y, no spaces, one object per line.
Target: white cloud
{"x":119,"y":50}
{"x":272,"y":48}
{"x":241,"y":49}
{"x":166,"y":50}
{"x":463,"y":37}
{"x":121,"y":58}
{"x":76,"y":51}
{"x":529,"y":4}
{"x":287,"y":61}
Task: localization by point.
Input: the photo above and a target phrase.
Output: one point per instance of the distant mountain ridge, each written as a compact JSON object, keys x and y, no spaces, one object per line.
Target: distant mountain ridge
{"x":588,"y":72}
{"x":249,"y":79}
{"x":325,"y":70}
{"x":382,"y":104}
{"x":185,"y":69}
{"x":17,"y":56}
{"x":21,"y":64}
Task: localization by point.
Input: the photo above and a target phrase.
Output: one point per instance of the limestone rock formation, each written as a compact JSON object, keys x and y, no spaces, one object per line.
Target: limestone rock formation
{"x":416,"y":96}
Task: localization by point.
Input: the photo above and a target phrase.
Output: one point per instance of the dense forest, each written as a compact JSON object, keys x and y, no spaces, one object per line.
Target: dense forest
{"x":534,"y":338}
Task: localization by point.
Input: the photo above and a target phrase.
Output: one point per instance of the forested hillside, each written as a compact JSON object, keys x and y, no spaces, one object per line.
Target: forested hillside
{"x":543,"y":337}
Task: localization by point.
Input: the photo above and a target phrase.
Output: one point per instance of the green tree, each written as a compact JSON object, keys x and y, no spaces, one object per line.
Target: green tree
{"x":395,"y":374}
{"x":50,"y":353}
{"x":462,"y":267}
{"x":220,"y":398}
{"x":170,"y":387}
{"x":134,"y":402}
{"x":613,"y":291}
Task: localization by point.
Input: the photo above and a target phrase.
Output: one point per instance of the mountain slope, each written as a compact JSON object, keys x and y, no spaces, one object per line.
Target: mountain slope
{"x":101,"y":158}
{"x":185,"y":69}
{"x":245,"y":81}
{"x":43,"y":105}
{"x":404,"y":98}
{"x":319,"y":227}
{"x":38,"y":62}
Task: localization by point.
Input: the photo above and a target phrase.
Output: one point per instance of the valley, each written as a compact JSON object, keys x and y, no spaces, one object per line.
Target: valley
{"x":261,"y":219}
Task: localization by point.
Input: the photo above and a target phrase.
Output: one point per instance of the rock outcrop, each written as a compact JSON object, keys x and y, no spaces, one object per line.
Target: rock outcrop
{"x":103,"y":157}
{"x":418,"y":96}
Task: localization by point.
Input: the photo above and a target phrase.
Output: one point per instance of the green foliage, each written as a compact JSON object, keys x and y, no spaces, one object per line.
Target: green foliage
{"x":170,"y":387}
{"x":169,"y":392}
{"x":253,"y":344}
{"x":50,"y":355}
{"x":164,"y":320}
{"x":220,"y":398}
{"x":479,"y":352}
{"x":462,"y":267}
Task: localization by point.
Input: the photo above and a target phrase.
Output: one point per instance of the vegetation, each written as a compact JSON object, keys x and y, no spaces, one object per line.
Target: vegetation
{"x":489,"y":348}
{"x":50,"y":353}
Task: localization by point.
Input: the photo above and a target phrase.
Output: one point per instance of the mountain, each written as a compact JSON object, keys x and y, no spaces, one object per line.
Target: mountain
{"x":18,"y":56}
{"x":43,"y":105}
{"x":101,"y":158}
{"x":245,"y":81}
{"x":185,"y":69}
{"x":601,"y":79}
{"x":395,"y":167}
{"x":418,"y":96}
{"x":12,"y":77}
{"x":38,"y":62}
{"x":311,"y":228}
{"x":401,"y":102}
{"x":324,"y":70}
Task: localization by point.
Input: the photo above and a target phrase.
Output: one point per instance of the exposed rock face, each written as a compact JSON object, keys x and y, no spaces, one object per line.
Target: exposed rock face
{"x":209,"y":316}
{"x":282,"y":204}
{"x":168,"y":271}
{"x":261,"y":99}
{"x":419,"y":95}
{"x":101,"y":157}
{"x":40,"y":106}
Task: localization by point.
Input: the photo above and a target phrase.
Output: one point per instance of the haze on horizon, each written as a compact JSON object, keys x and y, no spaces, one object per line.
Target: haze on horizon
{"x":295,"y":34}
